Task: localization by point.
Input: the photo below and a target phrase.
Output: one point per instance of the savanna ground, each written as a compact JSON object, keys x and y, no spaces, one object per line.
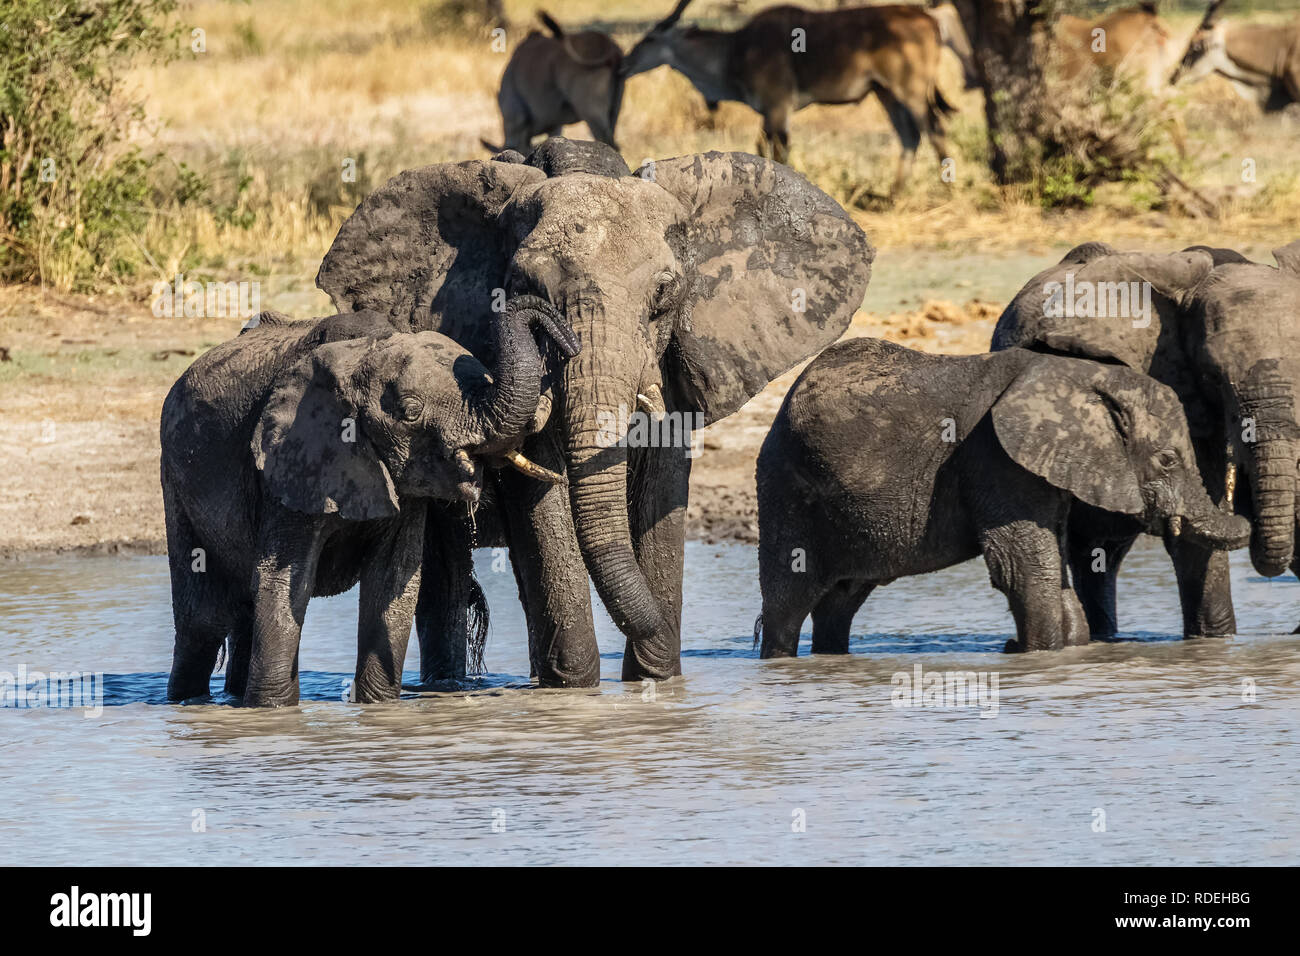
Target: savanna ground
{"x":286,"y":92}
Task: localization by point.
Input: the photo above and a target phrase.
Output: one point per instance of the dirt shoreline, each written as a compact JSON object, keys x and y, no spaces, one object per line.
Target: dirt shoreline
{"x":82,"y":383}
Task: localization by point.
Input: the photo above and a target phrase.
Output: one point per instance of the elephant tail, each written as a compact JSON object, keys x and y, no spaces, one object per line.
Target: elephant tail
{"x":758,"y":630}
{"x":478,"y":626}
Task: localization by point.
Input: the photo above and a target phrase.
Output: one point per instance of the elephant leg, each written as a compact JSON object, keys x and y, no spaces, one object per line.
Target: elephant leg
{"x":448,"y":594}
{"x":241,"y":647}
{"x":833,"y":615}
{"x":659,"y":489}
{"x":283,"y":581}
{"x":1022,"y":537}
{"x":1204,"y":589}
{"x":553,"y":585}
{"x":199,"y":611}
{"x":390,"y":585}
{"x":1094,"y":567}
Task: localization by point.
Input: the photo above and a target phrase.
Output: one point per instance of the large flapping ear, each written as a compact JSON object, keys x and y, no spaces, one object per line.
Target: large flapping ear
{"x":1060,"y":421}
{"x":424,"y":247}
{"x":309,"y":444}
{"x":779,"y":270}
{"x":1288,"y":258}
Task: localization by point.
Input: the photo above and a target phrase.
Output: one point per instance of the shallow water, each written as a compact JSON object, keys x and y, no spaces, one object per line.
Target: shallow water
{"x":724,"y":765}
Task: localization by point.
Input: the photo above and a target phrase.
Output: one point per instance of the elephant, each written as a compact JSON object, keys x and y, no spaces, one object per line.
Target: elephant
{"x":1224,"y":333}
{"x":554,"y":80}
{"x":885,"y":462}
{"x":691,"y":284}
{"x":300,"y":458}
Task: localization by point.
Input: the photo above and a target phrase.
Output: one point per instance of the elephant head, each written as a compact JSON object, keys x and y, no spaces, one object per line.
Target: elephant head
{"x":691,"y":283}
{"x":359,"y":423}
{"x":1245,"y":339}
{"x":1123,"y":448}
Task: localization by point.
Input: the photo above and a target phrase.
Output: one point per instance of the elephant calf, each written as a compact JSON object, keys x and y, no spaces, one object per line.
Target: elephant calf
{"x":298,"y":459}
{"x":885,"y":462}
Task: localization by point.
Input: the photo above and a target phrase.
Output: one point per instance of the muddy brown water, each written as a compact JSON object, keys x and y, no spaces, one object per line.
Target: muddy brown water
{"x":1144,"y":751}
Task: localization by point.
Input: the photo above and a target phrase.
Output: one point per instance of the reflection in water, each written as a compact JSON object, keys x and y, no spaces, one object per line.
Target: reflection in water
{"x":1157,"y":734}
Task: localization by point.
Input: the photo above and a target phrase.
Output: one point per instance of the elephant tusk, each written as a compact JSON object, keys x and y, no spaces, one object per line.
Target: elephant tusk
{"x":1230,"y":482}
{"x":1176,"y":525}
{"x":651,"y":401}
{"x":532,"y":469}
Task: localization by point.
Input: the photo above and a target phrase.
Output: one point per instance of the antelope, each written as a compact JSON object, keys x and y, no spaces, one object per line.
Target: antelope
{"x":1130,"y":41}
{"x":786,"y":58}
{"x":1262,"y":61}
{"x":558,"y":79}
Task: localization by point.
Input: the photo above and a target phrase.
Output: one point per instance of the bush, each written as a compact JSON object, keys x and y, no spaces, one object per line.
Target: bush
{"x":74,"y":195}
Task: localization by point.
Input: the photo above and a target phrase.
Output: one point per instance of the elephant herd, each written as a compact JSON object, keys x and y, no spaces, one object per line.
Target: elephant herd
{"x":494,"y":317}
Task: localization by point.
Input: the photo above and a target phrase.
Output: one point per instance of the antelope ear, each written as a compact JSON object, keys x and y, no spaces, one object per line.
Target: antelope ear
{"x":308,"y":443}
{"x":1059,"y":420}
{"x":424,"y":248}
{"x":1288,"y":257}
{"x":779,"y":270}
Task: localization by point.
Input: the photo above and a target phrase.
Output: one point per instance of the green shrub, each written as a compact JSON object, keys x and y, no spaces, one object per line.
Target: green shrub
{"x":74,"y":195}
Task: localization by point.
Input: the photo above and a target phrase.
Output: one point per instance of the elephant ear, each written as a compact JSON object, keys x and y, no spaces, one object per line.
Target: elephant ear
{"x":423,"y":248}
{"x":779,"y":270}
{"x":1288,"y":257}
{"x":1060,"y":421}
{"x":308,"y":443}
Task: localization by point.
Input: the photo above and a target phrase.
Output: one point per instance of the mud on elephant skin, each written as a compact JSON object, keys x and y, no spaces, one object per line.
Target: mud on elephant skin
{"x":1224,"y":333}
{"x":885,"y":462}
{"x":692,"y":283}
{"x":301,"y":457}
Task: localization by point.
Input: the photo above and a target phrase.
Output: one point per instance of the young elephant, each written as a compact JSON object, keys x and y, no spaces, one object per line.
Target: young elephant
{"x":298,"y":459}
{"x":885,"y":462}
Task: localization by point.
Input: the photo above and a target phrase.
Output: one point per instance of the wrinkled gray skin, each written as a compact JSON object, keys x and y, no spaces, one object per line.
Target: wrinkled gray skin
{"x":699,"y":280}
{"x":257,"y":472}
{"x":561,"y":79}
{"x":1225,"y":335}
{"x":858,"y":483}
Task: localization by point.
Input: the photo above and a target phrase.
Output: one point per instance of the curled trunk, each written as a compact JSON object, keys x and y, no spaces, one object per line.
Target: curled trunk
{"x":517,"y":368}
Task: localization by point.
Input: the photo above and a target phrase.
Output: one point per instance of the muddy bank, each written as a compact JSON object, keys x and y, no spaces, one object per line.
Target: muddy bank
{"x":82,"y":383}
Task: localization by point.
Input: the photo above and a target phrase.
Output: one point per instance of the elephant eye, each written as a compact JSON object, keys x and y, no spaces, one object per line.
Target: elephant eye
{"x":1167,"y":459}
{"x":411,"y":408}
{"x":667,"y":290}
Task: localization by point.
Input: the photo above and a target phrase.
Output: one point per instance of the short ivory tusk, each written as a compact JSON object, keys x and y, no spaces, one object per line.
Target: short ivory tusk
{"x":532,"y":469}
{"x":1176,"y":525}
{"x":1230,"y":481}
{"x":652,"y":401}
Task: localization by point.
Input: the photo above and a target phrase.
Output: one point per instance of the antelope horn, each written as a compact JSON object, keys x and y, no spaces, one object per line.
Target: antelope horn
{"x":672,"y":18}
{"x":532,"y":469}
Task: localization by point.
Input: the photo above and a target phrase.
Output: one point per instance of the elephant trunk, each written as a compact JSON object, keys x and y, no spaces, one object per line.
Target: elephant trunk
{"x":599,"y":392}
{"x":1272,"y":475}
{"x":517,"y":368}
{"x":1213,"y":528}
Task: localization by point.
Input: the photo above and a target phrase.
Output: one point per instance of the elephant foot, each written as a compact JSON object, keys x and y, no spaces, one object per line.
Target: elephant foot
{"x":1297,"y":630}
{"x":1013,"y":646}
{"x":1212,"y":636}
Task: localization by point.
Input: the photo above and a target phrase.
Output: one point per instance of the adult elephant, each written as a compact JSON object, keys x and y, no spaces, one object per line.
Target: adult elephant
{"x":691,"y":283}
{"x":1224,"y":333}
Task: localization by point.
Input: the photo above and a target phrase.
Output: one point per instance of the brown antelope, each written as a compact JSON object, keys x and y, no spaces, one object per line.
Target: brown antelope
{"x":786,"y":58}
{"x":1262,"y":61}
{"x":1132,"y":41}
{"x":554,"y":80}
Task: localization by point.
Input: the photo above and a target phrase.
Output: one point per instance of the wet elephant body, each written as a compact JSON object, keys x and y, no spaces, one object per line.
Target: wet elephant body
{"x":1224,"y":334}
{"x":885,"y":462}
{"x":691,"y":283}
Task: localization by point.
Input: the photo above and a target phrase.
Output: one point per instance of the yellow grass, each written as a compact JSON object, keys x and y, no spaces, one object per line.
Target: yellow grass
{"x":287,"y":91}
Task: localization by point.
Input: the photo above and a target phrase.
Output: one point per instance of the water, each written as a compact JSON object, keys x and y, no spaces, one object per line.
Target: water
{"x":722,"y":766}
